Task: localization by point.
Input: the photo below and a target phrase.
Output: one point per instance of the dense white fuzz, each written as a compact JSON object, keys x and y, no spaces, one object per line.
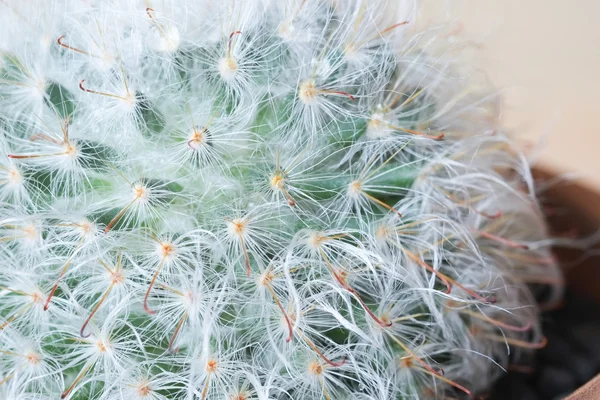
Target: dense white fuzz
{"x":266,"y":199}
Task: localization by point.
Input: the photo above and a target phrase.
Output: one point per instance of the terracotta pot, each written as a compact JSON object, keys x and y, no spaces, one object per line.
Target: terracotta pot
{"x":579,"y":208}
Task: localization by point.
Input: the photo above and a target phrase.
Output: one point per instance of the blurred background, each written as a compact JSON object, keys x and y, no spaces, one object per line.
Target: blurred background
{"x":545,"y":57}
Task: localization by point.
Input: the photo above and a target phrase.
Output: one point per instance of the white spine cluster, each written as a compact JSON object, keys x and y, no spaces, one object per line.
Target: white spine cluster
{"x":270,"y":199}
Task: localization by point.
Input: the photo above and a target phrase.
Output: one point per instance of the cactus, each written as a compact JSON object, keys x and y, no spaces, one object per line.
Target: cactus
{"x":297,"y":199}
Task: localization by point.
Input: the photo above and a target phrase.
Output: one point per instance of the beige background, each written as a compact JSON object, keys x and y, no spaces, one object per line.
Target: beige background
{"x":545,"y":54}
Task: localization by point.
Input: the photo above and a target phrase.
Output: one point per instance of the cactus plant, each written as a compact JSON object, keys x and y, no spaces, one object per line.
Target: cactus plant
{"x":297,"y":199}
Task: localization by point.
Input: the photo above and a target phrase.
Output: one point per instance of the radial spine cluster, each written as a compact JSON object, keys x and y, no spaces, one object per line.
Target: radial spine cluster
{"x":265,"y":199}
